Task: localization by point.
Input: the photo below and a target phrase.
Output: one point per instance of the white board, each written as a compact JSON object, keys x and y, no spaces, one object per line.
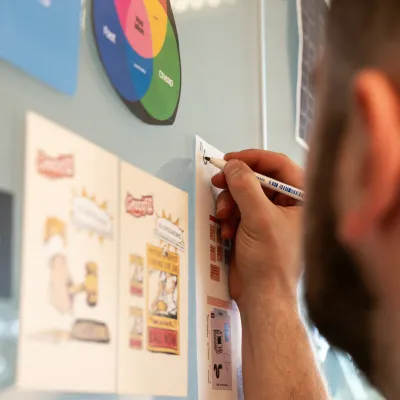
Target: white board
{"x":217,"y":317}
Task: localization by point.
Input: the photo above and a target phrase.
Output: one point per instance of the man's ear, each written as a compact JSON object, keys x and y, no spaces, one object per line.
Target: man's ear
{"x":377,"y":105}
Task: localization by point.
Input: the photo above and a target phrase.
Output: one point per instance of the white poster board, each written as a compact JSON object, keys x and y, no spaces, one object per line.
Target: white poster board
{"x":218,"y":320}
{"x":153,"y":300}
{"x":68,"y":312}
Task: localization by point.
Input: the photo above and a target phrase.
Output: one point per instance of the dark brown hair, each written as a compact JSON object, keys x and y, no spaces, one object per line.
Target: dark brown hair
{"x":360,"y":34}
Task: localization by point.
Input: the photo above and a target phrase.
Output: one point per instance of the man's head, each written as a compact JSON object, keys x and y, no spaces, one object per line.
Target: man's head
{"x":353,"y":196}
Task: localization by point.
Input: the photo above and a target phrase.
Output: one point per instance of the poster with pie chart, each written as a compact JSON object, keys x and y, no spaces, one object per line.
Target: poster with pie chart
{"x":137,"y":41}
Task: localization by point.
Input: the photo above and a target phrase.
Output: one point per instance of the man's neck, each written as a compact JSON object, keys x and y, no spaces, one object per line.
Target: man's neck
{"x":386,"y":354}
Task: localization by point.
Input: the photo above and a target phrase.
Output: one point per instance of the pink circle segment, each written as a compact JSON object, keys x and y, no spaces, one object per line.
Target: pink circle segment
{"x":122,"y":7}
{"x":138,"y":31}
{"x":164,"y":5}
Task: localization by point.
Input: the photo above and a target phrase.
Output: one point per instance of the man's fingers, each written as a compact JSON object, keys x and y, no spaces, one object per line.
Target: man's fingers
{"x":230,"y":225}
{"x":219,"y":180}
{"x":228,"y":213}
{"x":227,"y":231}
{"x":274,"y":165}
{"x":285,"y":201}
{"x":225,"y":205}
{"x":245,"y":190}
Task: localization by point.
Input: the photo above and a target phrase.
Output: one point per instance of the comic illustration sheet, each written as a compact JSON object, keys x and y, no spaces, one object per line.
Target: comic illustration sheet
{"x":69,"y":262}
{"x":153,"y":302}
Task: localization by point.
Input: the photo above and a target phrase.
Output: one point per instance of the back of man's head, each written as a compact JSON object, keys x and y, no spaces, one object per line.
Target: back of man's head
{"x":353,"y":193}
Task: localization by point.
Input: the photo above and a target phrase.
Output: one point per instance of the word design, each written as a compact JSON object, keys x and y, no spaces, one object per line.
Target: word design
{"x":139,"y":207}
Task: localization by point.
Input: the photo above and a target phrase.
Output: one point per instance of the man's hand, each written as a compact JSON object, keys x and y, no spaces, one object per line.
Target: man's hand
{"x":278,"y":362}
{"x":264,"y":224}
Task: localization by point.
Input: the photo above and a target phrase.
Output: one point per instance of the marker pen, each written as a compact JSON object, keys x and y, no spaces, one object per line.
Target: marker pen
{"x":266,"y":182}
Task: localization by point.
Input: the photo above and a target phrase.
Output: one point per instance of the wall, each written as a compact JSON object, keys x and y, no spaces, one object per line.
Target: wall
{"x":220,"y":101}
{"x":281,"y":50}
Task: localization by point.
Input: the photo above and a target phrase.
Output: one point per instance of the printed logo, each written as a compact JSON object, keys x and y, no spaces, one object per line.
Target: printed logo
{"x":139,"y":207}
{"x":55,"y":167}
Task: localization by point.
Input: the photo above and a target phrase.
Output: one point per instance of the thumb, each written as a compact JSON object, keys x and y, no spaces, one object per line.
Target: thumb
{"x":245,"y":189}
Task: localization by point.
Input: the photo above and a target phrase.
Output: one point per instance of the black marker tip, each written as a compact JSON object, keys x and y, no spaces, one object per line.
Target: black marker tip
{"x":207,"y":158}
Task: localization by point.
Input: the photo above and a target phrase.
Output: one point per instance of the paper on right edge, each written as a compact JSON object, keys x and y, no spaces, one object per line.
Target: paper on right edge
{"x":217,"y":317}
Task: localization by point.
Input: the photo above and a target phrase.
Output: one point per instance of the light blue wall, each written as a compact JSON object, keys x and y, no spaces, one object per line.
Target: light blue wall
{"x":220,"y":102}
{"x":281,"y":49}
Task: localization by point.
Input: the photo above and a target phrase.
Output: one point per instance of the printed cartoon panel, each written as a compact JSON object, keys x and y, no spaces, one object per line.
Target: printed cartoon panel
{"x":154,"y":275}
{"x":223,"y":368}
{"x":220,"y":337}
{"x":163,"y":300}
{"x":69,"y":274}
{"x":136,"y":333}
{"x":137,"y":271}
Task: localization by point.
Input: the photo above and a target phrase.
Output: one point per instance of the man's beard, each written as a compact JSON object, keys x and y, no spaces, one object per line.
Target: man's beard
{"x":338,"y":301}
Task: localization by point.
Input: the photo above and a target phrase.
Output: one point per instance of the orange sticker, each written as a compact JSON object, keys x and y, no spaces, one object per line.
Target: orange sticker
{"x":215,"y":273}
{"x":219,"y":237}
{"x":219,"y":254}
{"x":212,"y":253}
{"x":212,"y":232}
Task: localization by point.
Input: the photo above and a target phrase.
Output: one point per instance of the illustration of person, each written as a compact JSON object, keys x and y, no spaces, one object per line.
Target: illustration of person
{"x":166,"y":300}
{"x":136,"y":332}
{"x":138,"y":274}
{"x":62,"y":289}
{"x":137,"y":328}
{"x":136,"y":284}
{"x":171,"y":295}
{"x":60,"y":284}
{"x":159,"y":305}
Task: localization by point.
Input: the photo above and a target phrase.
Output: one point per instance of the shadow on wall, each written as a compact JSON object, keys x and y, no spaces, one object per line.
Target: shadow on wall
{"x":178,"y":172}
{"x":293,"y":47}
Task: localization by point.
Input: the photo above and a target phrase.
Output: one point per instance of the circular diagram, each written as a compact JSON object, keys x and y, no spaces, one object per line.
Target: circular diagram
{"x":138,"y":45}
